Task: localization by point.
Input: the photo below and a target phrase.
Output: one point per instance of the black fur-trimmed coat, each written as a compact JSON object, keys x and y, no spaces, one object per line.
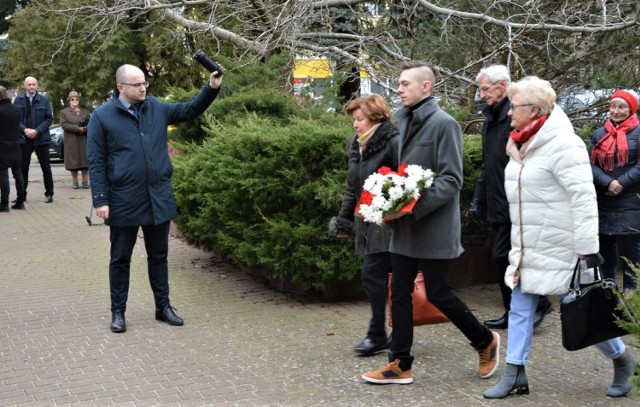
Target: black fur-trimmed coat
{"x":380,"y":150}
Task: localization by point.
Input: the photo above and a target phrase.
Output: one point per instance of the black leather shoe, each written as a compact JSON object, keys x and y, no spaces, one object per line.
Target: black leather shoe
{"x":48,"y":198}
{"x":117,"y":322}
{"x":371,"y":346}
{"x":167,"y":315}
{"x":540,"y":314}
{"x":17,"y":205}
{"x":4,"y":207}
{"x":500,"y":323}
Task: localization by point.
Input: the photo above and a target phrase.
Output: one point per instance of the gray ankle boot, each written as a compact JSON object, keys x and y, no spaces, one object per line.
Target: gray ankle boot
{"x":623,"y":369}
{"x":514,"y":378}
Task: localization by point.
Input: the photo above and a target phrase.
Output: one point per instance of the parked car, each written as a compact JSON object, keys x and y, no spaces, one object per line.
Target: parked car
{"x":56,"y":146}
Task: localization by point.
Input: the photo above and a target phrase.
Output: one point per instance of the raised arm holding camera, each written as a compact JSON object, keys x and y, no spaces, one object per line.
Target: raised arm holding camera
{"x":131,"y":186}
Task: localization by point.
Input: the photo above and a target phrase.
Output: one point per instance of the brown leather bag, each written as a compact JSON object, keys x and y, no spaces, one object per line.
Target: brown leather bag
{"x":424,"y":312}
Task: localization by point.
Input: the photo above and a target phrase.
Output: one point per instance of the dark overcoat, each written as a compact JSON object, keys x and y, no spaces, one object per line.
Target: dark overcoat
{"x":129,"y":161}
{"x":380,"y":150}
{"x":619,"y":215}
{"x":432,"y":139}
{"x":9,"y":135}
{"x":40,"y":119}
{"x":490,"y":186}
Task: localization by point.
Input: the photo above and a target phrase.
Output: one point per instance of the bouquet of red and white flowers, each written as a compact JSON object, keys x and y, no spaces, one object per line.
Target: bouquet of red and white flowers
{"x":386,"y":193}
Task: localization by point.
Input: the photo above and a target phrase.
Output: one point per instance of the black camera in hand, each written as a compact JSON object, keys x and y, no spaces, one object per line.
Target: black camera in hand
{"x":84,"y":122}
{"x":206,"y":61}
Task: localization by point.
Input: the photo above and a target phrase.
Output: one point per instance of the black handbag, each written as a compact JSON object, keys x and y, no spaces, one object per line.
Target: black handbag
{"x":590,"y":311}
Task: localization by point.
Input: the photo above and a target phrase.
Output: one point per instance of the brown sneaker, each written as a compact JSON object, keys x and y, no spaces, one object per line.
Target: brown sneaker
{"x":390,"y":374}
{"x":489,"y":357}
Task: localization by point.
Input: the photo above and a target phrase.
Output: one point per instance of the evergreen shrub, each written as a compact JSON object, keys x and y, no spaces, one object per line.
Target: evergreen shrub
{"x":262,"y":195}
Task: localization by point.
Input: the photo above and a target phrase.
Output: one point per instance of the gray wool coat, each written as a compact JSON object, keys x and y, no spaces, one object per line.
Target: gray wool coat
{"x":431,"y":138}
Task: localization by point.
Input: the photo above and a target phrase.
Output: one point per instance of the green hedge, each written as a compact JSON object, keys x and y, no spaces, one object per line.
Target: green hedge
{"x":262,"y":194}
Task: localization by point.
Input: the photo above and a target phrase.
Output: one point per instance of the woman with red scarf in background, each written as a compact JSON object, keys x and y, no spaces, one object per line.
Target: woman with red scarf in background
{"x":554,"y":218}
{"x":616,"y":174}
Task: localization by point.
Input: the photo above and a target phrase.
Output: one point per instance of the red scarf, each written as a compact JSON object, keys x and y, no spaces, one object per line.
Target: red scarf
{"x":616,"y":138}
{"x":522,"y":136}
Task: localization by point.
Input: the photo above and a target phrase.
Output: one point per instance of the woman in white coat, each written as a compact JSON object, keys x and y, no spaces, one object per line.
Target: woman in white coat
{"x":554,"y":213}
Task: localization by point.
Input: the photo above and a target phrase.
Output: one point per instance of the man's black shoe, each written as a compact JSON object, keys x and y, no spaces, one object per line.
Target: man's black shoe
{"x":541,"y":313}
{"x":17,"y":205}
{"x":48,"y":198}
{"x":167,"y":315}
{"x":371,"y":346}
{"x":500,"y":323}
{"x":117,"y":322}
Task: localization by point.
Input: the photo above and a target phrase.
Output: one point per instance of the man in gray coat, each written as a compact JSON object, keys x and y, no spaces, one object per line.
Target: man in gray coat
{"x":131,"y":181}
{"x":429,"y":237}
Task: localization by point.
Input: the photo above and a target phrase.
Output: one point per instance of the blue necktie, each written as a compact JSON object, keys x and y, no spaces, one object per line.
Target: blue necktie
{"x":135,"y":110}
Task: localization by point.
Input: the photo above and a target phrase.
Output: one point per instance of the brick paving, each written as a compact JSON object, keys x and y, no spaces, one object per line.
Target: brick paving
{"x":242,"y":344}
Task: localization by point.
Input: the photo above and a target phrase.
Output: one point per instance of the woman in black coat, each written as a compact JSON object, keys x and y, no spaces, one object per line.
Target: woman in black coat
{"x":616,"y":174}
{"x":373,"y":146}
{"x":9,"y":152}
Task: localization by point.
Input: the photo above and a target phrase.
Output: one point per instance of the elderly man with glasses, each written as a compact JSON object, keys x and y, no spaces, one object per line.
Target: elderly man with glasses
{"x":130,"y":173}
{"x":489,"y":192}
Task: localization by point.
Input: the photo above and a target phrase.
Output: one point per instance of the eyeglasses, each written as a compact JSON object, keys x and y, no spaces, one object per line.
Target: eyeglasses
{"x":72,"y":99}
{"x":485,"y":89}
{"x":513,"y":107}
{"x":616,"y":106}
{"x":137,"y":85}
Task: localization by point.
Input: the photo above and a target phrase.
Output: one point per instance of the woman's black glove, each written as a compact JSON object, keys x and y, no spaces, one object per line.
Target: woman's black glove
{"x":593,"y":260}
{"x":340,"y":227}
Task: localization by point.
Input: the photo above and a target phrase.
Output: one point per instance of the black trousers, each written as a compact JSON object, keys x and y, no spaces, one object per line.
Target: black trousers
{"x":501,"y":233}
{"x":375,"y":281}
{"x":156,"y":242}
{"x":440,"y":293}
{"x":42,"y":152}
{"x":5,"y":186}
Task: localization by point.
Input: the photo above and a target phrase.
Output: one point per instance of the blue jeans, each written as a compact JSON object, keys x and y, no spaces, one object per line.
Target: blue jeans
{"x":521,"y":317}
{"x":156,"y":242}
{"x":609,"y":249}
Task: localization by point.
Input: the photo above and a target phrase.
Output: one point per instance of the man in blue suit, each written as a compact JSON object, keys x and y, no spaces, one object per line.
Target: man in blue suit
{"x":131,"y":187}
{"x":34,"y":127}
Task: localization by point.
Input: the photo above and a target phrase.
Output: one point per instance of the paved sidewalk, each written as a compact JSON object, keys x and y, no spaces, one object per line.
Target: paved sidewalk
{"x":242,"y":343}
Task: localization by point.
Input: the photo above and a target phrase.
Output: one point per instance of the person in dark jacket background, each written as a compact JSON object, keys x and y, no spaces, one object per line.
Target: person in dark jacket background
{"x":616,"y":175}
{"x":9,"y":152}
{"x":373,"y":146}
{"x":34,"y":126}
{"x":130,"y":172}
{"x":489,"y":192}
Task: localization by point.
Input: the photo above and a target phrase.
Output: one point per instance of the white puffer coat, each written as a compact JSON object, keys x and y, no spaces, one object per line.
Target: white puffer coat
{"x":553,"y":208}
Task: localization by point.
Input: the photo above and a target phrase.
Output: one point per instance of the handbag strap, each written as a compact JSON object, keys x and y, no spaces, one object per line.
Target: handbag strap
{"x":575,"y":278}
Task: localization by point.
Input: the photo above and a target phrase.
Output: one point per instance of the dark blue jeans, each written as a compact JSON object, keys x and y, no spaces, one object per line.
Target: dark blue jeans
{"x":375,"y":281}
{"x":156,"y":242}
{"x":610,"y":249}
{"x":440,"y":294}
